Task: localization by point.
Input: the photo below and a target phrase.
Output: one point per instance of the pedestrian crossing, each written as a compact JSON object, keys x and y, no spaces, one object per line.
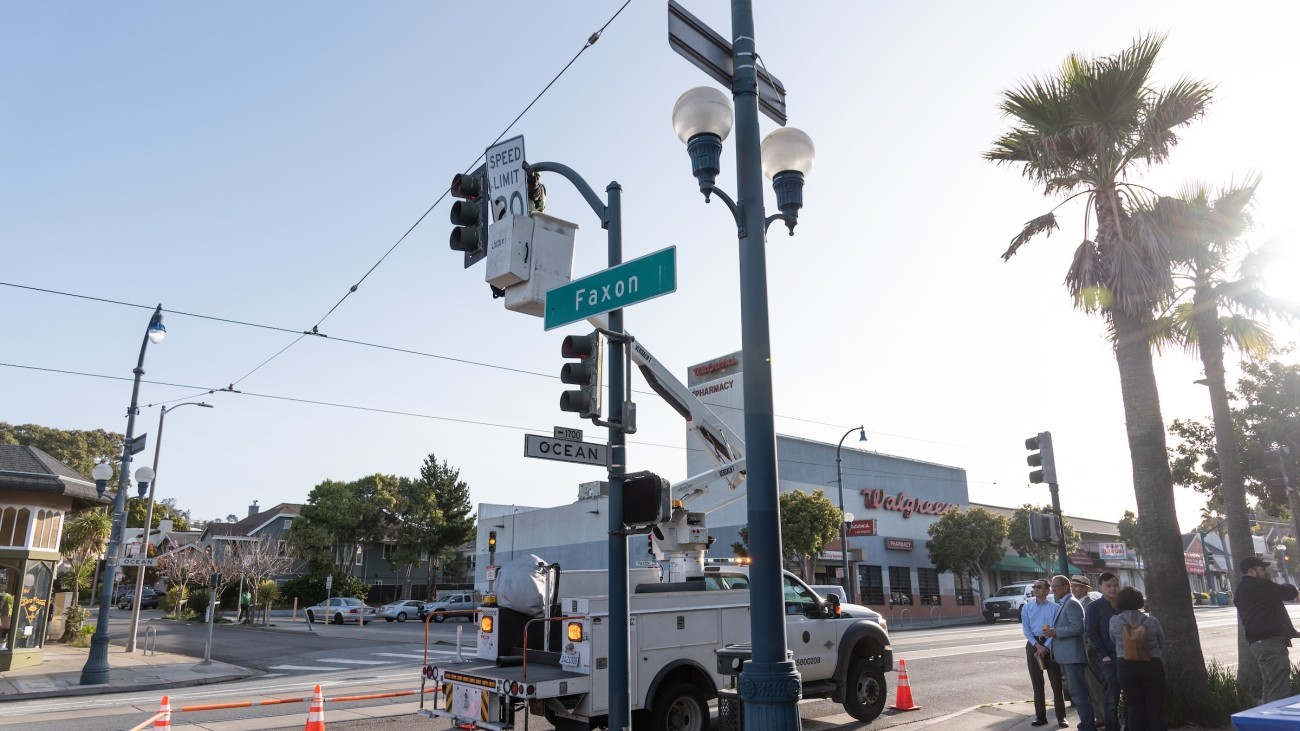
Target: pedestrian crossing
{"x":370,"y":659}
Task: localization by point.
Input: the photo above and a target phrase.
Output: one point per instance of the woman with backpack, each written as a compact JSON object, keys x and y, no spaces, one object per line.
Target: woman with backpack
{"x":1139,"y":643}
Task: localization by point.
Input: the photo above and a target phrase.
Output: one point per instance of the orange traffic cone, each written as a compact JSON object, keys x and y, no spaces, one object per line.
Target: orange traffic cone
{"x":164,"y":719}
{"x":316,"y":715}
{"x":903,"y":696}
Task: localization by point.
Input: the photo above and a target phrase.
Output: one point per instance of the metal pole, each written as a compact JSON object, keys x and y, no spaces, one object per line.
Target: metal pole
{"x":1060,"y":518}
{"x":769,"y":684}
{"x":148,"y":526}
{"x":619,"y":653}
{"x":844,"y":527}
{"x":96,"y":670}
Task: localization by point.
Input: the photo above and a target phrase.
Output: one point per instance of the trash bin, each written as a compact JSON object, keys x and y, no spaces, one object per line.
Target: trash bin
{"x":1221,"y":599}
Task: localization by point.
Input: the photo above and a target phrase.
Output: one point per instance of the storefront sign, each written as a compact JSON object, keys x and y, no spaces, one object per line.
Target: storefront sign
{"x":1195,"y":563}
{"x":862,"y":528}
{"x":899,"y":544}
{"x":717,"y":365}
{"x":877,"y":500}
{"x":1081,"y":558}
{"x":1112,"y":550}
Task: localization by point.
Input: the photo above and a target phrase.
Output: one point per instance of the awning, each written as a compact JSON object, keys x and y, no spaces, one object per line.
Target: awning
{"x":1024,"y":564}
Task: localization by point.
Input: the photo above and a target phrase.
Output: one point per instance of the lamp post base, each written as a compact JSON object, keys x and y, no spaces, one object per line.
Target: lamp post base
{"x":770,"y":693}
{"x":95,"y":671}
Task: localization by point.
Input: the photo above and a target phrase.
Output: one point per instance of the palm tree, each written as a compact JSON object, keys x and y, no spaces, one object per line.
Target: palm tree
{"x":1081,"y":132}
{"x":1202,"y":230}
{"x":85,"y":536}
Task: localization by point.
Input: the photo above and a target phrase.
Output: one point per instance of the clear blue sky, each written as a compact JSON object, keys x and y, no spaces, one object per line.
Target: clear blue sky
{"x":251,"y":161}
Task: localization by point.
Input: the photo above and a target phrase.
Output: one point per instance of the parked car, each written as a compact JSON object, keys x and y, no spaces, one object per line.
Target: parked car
{"x":148,"y":598}
{"x":341,"y":609}
{"x":401,"y":611}
{"x":462,"y":604}
{"x":1005,"y":603}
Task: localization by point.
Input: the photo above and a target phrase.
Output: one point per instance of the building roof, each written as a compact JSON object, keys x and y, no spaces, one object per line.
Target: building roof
{"x":1083,"y":525}
{"x":30,"y":469}
{"x":252,"y":524}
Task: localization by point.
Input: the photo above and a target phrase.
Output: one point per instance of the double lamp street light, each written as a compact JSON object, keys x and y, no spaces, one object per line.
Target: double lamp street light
{"x":702,"y":118}
{"x":96,"y":669}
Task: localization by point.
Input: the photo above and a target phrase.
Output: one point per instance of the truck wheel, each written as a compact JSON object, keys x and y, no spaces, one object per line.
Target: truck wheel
{"x":679,"y":708}
{"x":990,"y":620}
{"x":439,"y":616}
{"x":864,"y":691}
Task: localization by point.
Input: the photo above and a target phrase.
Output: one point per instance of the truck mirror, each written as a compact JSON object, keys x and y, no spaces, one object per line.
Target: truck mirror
{"x":832,"y":606}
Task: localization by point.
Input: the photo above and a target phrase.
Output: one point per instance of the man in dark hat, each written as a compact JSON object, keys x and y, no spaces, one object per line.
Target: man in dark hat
{"x":1268,"y":626}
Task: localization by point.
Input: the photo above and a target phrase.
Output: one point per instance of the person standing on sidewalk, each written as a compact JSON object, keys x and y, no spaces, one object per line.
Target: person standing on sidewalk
{"x":1034,"y":616}
{"x":1066,"y":633}
{"x":1096,"y":621}
{"x":1140,"y":642}
{"x":1080,"y":587}
{"x":1267,"y":624}
{"x":245,"y":607}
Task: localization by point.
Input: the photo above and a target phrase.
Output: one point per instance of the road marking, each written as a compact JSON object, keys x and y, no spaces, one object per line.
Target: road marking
{"x":312,"y":668}
{"x":349,"y":661}
{"x":417,"y":656}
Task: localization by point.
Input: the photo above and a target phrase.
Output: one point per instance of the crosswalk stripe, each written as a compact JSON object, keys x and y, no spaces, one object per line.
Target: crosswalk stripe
{"x":312,"y":668}
{"x":415,"y":656}
{"x":349,"y":661}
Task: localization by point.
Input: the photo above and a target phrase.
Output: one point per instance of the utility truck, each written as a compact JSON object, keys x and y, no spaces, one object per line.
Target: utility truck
{"x":542,"y":641}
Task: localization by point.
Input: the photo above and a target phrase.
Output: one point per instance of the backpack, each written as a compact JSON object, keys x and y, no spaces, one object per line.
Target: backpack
{"x":1136,"y":646}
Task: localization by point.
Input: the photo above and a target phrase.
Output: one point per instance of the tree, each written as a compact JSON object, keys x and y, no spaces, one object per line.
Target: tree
{"x":1046,"y":555}
{"x":260,"y":560}
{"x":339,"y":517}
{"x":808,"y":523}
{"x":1129,"y":532}
{"x":1085,"y":131}
{"x":85,"y":537}
{"x":181,"y":570}
{"x":454,"y":525}
{"x":164,"y":509}
{"x":967,"y":543}
{"x":80,"y":450}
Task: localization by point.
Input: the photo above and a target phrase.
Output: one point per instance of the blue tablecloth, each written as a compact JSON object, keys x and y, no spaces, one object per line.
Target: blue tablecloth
{"x":1283,"y":714}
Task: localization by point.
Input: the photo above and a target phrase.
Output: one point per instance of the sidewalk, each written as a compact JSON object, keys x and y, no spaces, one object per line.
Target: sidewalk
{"x":60,"y":673}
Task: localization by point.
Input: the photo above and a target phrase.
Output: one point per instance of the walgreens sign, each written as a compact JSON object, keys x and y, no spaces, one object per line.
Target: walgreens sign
{"x":878,"y":500}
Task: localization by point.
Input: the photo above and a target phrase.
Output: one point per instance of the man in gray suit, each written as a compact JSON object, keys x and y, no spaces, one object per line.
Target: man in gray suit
{"x":1068,"y":650}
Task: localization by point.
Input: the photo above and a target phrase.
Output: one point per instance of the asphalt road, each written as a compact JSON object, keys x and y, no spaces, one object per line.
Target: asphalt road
{"x":951,"y":669}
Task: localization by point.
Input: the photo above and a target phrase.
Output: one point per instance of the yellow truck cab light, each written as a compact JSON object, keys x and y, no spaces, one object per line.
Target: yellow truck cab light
{"x":485,"y":623}
{"x":575,"y":631}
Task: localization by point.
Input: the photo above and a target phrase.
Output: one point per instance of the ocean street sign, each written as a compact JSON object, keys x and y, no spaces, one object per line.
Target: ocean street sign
{"x":565,"y":450}
{"x":628,"y":283}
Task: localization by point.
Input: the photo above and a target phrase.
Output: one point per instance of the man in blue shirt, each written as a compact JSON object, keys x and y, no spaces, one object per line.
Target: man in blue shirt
{"x":1034,"y":615}
{"x":1096,"y":625}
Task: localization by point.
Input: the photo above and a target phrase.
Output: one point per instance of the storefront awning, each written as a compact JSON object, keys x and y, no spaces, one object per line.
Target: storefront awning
{"x":1024,"y":564}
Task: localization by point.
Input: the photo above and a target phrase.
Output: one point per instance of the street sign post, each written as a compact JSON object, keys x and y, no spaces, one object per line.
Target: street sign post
{"x":507,"y":184}
{"x":635,"y":281}
{"x":565,"y":450}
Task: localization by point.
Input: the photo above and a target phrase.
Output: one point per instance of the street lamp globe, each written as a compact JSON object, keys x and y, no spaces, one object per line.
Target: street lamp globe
{"x":788,"y":155}
{"x":702,"y":110}
{"x":157,"y":331}
{"x":102,"y":473}
{"x":848,"y":517}
{"x":144,"y":476}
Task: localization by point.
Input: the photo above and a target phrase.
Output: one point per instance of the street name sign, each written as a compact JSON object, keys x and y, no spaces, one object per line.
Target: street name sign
{"x":565,"y":450}
{"x":138,"y":443}
{"x":703,"y":46}
{"x":507,"y":184}
{"x":133,"y":561}
{"x":628,"y":283}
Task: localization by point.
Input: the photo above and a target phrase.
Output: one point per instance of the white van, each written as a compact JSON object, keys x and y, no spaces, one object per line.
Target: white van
{"x":825,"y":590}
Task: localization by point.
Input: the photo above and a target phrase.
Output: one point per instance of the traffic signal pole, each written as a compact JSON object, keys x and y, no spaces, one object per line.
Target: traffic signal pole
{"x":611,"y":219}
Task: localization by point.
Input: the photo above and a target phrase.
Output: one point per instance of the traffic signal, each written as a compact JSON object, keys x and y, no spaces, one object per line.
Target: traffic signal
{"x":645,"y":499}
{"x":492,"y":541}
{"x":469,"y":215}
{"x":1041,"y":457}
{"x":588,"y":350}
{"x":649,"y":542}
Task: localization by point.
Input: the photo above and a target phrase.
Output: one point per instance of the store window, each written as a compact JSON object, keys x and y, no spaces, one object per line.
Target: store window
{"x":927,"y":580}
{"x":10,"y":570}
{"x":33,"y":606}
{"x":13,"y":526}
{"x":900,"y":584}
{"x":965,"y":594}
{"x":871,"y":584}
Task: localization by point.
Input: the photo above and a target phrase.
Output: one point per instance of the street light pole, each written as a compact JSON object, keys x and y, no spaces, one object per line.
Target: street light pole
{"x":148,"y":523}
{"x":844,"y":521}
{"x":96,"y":670}
{"x":769,"y":683}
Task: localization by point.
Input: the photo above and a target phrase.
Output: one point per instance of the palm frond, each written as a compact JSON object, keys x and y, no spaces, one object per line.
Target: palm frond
{"x":1248,"y":336}
{"x":1174,"y":328}
{"x":1044,"y":224}
{"x":1169,"y":109}
{"x":1084,"y":281}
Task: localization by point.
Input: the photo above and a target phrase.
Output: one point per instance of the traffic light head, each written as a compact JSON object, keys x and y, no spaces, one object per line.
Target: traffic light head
{"x":492,"y":540}
{"x":1042,"y":457}
{"x":646,"y":500}
{"x":587,"y":351}
{"x":469,"y":214}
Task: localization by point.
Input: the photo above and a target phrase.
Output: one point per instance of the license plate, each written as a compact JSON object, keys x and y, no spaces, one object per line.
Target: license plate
{"x":466,"y":702}
{"x":997,"y":614}
{"x":569,"y":660}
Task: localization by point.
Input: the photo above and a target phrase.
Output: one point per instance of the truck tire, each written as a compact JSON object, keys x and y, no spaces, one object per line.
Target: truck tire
{"x":439,"y":616}
{"x":681,"y":707}
{"x":864,"y":691}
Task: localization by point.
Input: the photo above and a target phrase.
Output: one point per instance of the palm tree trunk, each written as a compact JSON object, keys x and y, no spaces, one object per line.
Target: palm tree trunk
{"x":1209,"y":332}
{"x":1166,"y":571}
